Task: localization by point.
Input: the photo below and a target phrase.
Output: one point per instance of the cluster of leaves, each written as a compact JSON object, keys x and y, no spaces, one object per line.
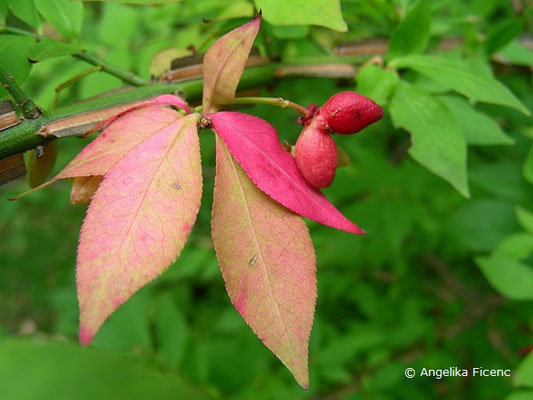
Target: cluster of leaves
{"x":397,"y":279}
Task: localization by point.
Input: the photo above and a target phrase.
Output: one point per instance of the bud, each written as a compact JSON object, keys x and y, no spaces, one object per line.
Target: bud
{"x":316,"y":155}
{"x":349,"y":112}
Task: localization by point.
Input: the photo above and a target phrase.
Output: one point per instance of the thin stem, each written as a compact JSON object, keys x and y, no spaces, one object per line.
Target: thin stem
{"x":271,"y":101}
{"x":72,"y":81}
{"x":17,"y":31}
{"x":28,"y":107}
{"x":126,"y":77}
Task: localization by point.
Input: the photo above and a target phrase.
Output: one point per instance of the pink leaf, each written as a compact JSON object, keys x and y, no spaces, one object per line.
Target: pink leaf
{"x":224,"y":63}
{"x":255,"y":145}
{"x":163,"y":100}
{"x":268,"y":263}
{"x":124,"y":134}
{"x":138,"y":221}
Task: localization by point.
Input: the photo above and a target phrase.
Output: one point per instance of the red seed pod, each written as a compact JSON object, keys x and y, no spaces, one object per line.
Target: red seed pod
{"x":316,"y":156}
{"x":349,"y":112}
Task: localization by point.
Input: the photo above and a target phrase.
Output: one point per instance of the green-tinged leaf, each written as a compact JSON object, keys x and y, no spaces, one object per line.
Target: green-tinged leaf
{"x":517,"y":54}
{"x":412,"y":34}
{"x":524,"y":374}
{"x":138,"y":220}
{"x":65,"y":15}
{"x":325,"y":13}
{"x":376,"y":83}
{"x":525,"y":218}
{"x":65,"y":371}
{"x":516,"y":247}
{"x":224,"y":62}
{"x":478,"y":127}
{"x":437,"y":141}
{"x":50,"y":48}
{"x":25,"y":10}
{"x":14,"y":57}
{"x":528,"y":166}
{"x":163,"y":59}
{"x":39,"y":163}
{"x":501,"y":35}
{"x":270,"y":269}
{"x":511,"y":278}
{"x":460,"y":76}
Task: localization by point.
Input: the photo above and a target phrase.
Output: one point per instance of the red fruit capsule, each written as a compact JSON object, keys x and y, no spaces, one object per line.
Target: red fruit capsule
{"x":316,"y":156}
{"x":349,"y":112}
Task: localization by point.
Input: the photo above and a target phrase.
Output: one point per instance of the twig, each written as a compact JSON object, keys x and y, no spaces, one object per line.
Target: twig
{"x":28,"y":107}
{"x":126,"y":77}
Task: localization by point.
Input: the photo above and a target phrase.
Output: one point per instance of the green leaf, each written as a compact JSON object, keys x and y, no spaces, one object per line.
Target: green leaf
{"x":172,"y":332}
{"x":511,"y":278}
{"x":501,"y":35}
{"x":460,"y":76}
{"x":139,"y":2}
{"x":290,"y":31}
{"x":65,"y":15}
{"x":524,"y":374}
{"x":525,"y":218}
{"x":520,"y":395}
{"x":376,"y":83}
{"x":3,"y":12}
{"x":66,"y":371}
{"x":412,"y":34}
{"x":50,"y":48}
{"x":517,"y":54}
{"x":40,"y":163}
{"x":25,"y":10}
{"x":516,"y":247}
{"x":478,"y":127}
{"x":119,"y":23}
{"x":437,"y":140}
{"x":236,"y":9}
{"x":528,"y":167}
{"x":14,"y":57}
{"x":479,"y":225}
{"x":325,"y":13}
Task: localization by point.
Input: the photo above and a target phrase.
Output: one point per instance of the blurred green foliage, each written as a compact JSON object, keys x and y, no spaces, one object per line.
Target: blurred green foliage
{"x":439,"y":281}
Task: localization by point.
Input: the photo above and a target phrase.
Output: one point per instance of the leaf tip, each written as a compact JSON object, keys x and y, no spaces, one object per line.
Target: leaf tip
{"x":302,"y":376}
{"x":85,"y":336}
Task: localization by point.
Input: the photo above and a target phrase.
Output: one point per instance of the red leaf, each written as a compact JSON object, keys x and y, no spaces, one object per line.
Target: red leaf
{"x":255,"y":145}
{"x":268,"y":263}
{"x":224,"y":62}
{"x":124,"y":134}
{"x":138,"y":221}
